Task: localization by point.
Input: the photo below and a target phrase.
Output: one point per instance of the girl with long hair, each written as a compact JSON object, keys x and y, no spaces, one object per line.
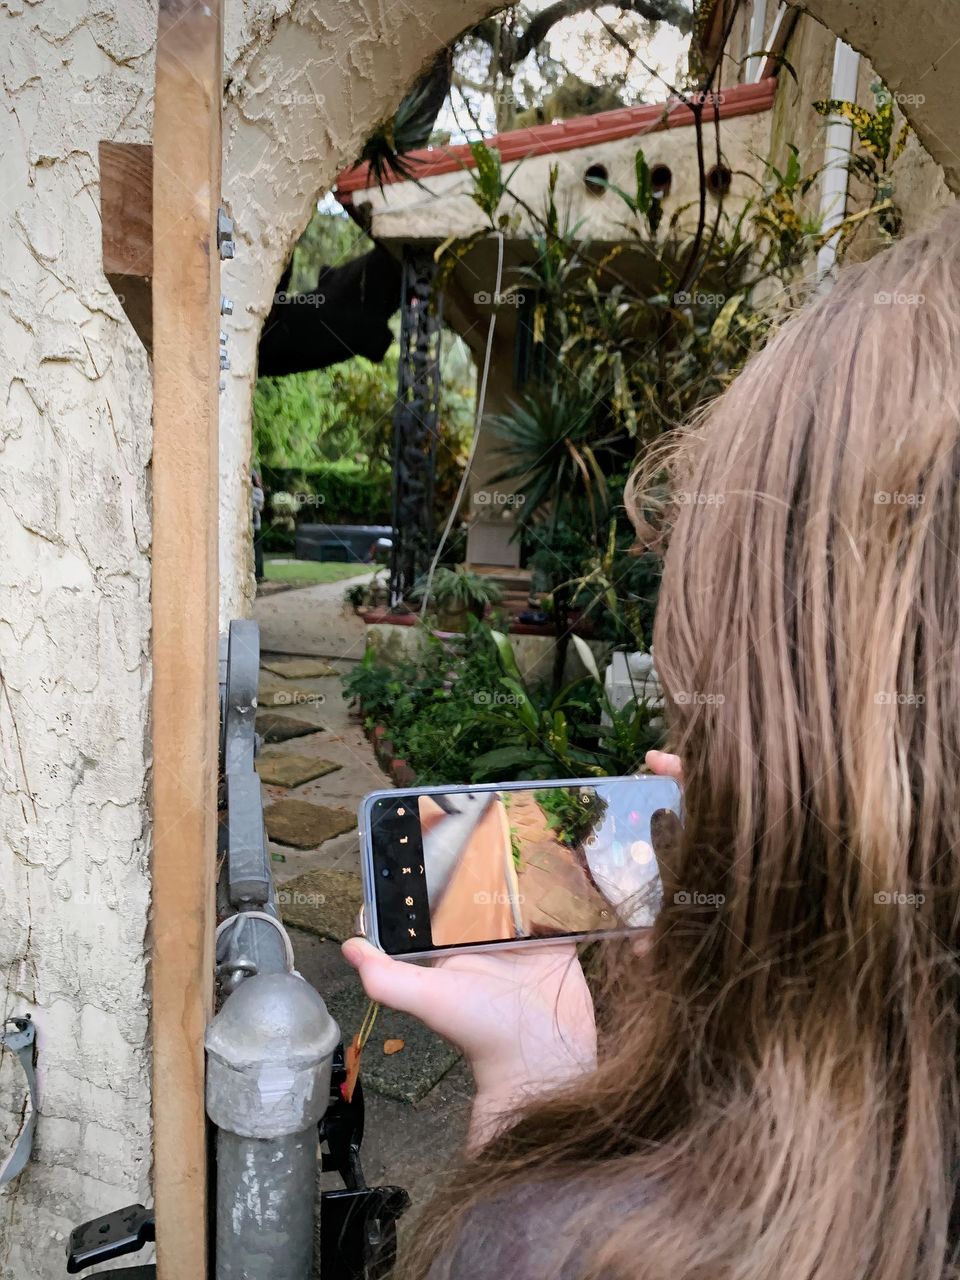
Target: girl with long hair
{"x":770,"y":1091}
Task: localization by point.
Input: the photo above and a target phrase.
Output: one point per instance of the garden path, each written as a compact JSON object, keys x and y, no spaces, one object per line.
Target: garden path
{"x":417,"y":1100}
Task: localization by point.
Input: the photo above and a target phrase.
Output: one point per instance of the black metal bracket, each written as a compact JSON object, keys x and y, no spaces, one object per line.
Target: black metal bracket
{"x":358,"y":1232}
{"x":111,"y":1236}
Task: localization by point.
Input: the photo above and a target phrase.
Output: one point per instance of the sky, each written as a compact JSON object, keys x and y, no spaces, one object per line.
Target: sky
{"x":581,"y":44}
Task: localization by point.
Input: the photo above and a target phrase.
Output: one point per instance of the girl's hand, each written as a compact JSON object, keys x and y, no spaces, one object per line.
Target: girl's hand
{"x":522,"y":1016}
{"x":664,"y":763}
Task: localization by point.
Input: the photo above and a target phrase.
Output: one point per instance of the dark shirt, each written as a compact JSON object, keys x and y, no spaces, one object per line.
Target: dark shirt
{"x":537,"y":1232}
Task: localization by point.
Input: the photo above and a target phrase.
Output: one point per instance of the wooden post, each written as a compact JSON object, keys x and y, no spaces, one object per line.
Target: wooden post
{"x":186,"y":292}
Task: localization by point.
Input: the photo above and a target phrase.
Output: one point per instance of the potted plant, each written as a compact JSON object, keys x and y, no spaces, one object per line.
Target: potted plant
{"x":455,"y":594}
{"x":366,"y":595}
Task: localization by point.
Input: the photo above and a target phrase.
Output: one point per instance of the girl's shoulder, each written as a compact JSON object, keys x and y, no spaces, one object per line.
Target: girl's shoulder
{"x":540,"y":1229}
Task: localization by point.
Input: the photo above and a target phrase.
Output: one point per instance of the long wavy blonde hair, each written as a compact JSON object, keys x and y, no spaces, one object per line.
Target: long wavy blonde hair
{"x":781,"y":1069}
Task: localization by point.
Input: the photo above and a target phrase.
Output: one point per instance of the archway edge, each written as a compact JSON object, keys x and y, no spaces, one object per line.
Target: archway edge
{"x":922,"y":70}
{"x":306,"y":84}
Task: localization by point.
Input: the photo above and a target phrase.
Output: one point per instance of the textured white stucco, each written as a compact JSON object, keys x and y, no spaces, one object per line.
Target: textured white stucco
{"x":74,"y":625}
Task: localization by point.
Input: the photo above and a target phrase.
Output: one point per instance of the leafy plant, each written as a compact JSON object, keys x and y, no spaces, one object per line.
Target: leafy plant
{"x":558,"y":736}
{"x":550,"y":440}
{"x":875,"y":157}
{"x":366,"y":595}
{"x":459,"y":590}
{"x":432,"y":703}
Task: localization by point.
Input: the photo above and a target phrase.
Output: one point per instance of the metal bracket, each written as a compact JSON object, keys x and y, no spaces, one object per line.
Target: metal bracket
{"x":248,"y":862}
{"x":241,"y":676}
{"x":21,"y":1041}
{"x":225,"y":233}
{"x":110,"y":1236}
{"x":358,"y":1232}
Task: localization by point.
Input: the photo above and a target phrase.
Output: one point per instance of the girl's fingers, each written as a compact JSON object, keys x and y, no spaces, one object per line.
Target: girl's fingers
{"x":664,"y":763}
{"x":388,"y":981}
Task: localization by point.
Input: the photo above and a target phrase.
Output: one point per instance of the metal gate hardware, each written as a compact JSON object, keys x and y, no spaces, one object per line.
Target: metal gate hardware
{"x":111,"y":1236}
{"x":358,"y":1225}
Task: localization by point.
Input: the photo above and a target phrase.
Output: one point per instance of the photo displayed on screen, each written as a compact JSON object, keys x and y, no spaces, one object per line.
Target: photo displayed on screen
{"x":502,"y":865}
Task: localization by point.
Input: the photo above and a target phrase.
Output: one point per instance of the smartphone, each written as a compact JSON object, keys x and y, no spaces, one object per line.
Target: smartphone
{"x":448,"y":869}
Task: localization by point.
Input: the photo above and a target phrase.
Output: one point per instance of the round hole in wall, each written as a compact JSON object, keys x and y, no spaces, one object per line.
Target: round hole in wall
{"x":661,"y":177}
{"x":719,"y":179}
{"x":596,"y":178}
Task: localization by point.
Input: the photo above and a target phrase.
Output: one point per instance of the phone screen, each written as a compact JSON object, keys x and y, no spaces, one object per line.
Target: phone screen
{"x":471,"y":867}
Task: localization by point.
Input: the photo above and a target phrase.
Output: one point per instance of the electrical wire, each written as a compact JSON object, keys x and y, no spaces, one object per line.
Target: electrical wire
{"x":468,"y":466}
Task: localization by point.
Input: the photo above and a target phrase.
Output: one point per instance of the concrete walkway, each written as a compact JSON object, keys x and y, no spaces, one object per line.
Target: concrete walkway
{"x":311,"y":620}
{"x":418,"y":1100}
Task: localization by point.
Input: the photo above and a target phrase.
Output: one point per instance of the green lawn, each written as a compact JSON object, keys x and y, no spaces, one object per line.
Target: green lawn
{"x":284,"y":569}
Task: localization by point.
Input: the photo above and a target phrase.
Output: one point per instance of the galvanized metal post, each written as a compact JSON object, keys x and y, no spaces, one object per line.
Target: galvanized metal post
{"x":269,"y":1057}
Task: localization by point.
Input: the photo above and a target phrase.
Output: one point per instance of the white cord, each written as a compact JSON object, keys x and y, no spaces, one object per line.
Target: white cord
{"x":468,"y":466}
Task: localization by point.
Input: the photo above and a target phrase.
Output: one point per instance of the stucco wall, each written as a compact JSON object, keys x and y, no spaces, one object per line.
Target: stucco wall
{"x":441,"y":206}
{"x":75,"y":443}
{"x":920,"y":188}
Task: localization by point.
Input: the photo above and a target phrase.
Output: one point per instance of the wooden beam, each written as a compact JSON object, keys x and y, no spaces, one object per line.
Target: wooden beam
{"x":186,"y":291}
{"x":126,"y":219}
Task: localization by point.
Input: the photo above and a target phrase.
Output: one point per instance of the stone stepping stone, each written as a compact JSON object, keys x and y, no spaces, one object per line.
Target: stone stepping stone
{"x":286,"y":769}
{"x":288,"y":695}
{"x":298,"y":668}
{"x":408,"y":1075}
{"x":322,"y":901}
{"x":273,"y":726}
{"x":305,"y":825}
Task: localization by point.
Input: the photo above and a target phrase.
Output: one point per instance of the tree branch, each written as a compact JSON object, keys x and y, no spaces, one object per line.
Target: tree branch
{"x":672,"y":11}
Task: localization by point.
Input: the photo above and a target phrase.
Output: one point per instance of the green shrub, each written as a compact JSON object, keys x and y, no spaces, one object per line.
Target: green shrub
{"x":460,"y":712}
{"x":343,"y":492}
